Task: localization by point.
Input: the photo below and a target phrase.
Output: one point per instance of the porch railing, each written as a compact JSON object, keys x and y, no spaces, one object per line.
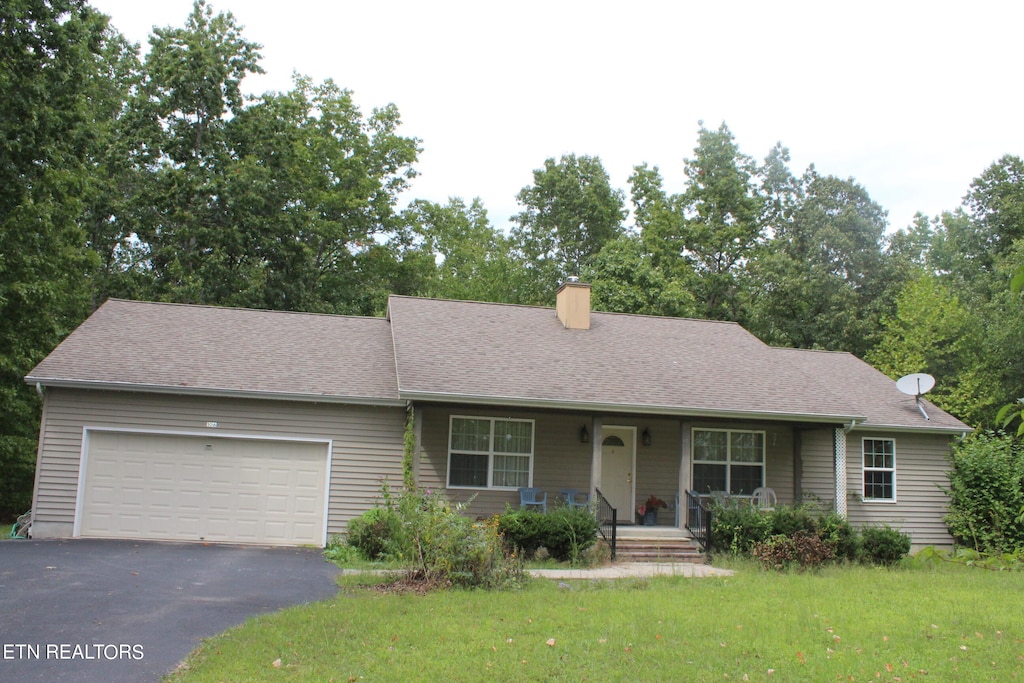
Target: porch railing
{"x":607,"y":517}
{"x":698,"y":519}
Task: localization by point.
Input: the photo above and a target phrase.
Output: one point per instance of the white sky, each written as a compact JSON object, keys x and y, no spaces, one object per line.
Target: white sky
{"x":912,"y":99}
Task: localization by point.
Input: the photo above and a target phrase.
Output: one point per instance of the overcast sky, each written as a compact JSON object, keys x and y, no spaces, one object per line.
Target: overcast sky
{"x":911,"y":99}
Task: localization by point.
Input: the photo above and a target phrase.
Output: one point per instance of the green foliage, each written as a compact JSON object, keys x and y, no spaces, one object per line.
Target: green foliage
{"x":17,"y":463}
{"x":931,"y":331}
{"x":434,"y":541}
{"x":931,"y":556}
{"x":409,"y":451}
{"x":566,"y":532}
{"x":836,"y":531}
{"x":719,"y":227}
{"x":883,"y":545}
{"x":378,"y":533}
{"x":804,"y":535}
{"x":340,"y":552}
{"x":737,"y":526}
{"x":51,"y":55}
{"x":461,"y":255}
{"x":524,"y":531}
{"x":571,"y":532}
{"x":986,"y":492}
{"x":625,"y":278}
{"x":569,"y":213}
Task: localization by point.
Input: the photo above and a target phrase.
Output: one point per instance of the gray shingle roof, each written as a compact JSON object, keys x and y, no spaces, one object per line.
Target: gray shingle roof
{"x":205,"y":349}
{"x":469,"y":352}
{"x":506,"y":354}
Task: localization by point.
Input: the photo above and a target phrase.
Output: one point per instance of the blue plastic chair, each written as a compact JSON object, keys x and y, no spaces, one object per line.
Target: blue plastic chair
{"x":572,"y":498}
{"x":533,"y":496}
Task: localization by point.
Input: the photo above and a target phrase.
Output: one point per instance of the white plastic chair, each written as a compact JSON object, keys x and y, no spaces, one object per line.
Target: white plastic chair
{"x":764,"y":498}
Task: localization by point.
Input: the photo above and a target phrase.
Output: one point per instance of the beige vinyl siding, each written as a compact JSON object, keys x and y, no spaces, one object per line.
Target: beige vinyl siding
{"x":817,"y":455}
{"x":657,"y":465}
{"x":559,"y":459}
{"x":367,"y":442}
{"x":921,"y":464}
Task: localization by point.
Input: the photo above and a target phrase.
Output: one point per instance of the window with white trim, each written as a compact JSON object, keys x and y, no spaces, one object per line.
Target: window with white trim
{"x":730,"y":460}
{"x":490,"y":452}
{"x":879,"y":469}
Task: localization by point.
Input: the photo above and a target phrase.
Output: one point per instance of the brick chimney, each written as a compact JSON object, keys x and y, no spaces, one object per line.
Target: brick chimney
{"x":572,"y":304}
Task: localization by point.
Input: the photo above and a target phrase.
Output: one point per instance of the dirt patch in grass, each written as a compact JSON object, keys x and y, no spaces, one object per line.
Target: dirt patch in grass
{"x":411,"y":582}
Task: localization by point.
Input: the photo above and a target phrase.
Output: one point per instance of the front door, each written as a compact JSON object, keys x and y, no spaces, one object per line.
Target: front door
{"x":617,"y":468}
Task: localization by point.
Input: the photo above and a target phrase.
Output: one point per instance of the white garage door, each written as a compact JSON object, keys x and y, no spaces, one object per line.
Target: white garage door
{"x":188,"y":488}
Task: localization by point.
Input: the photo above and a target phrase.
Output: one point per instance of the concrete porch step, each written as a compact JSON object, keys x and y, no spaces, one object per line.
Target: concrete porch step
{"x":657,"y":549}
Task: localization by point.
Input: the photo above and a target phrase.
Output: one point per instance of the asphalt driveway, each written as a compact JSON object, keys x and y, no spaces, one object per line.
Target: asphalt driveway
{"x":98,"y":610}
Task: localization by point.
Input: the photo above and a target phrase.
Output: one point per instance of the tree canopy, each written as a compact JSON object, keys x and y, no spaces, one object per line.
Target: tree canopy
{"x":157,"y":178}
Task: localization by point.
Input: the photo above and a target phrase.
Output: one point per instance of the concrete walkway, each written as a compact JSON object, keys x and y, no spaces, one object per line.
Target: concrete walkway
{"x":625,"y":570}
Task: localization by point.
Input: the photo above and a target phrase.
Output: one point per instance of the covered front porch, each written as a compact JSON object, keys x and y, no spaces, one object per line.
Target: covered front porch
{"x":483,"y":455}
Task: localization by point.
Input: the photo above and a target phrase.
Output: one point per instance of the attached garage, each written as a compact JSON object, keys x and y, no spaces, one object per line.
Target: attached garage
{"x":203,"y":488}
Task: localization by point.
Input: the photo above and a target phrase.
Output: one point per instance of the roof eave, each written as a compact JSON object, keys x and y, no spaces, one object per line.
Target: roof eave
{"x":213,"y":391}
{"x":922,"y":429}
{"x":595,"y":406}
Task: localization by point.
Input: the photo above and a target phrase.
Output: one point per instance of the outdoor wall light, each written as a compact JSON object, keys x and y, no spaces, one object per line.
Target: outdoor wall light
{"x":645,"y":438}
{"x":584,"y":434}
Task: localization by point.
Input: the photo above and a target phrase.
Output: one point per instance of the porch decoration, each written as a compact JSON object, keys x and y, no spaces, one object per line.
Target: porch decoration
{"x":648,"y":511}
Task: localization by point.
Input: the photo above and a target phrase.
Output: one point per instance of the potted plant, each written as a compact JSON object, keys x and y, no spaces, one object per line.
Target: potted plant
{"x":648,"y":511}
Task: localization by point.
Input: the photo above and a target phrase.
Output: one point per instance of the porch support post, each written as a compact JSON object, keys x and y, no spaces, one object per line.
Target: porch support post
{"x":798,"y":465}
{"x":595,"y":455}
{"x":684,"y":472}
{"x":840,"y":463}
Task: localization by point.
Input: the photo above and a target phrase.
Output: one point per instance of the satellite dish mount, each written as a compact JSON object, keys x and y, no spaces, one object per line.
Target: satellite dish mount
{"x":916,"y":385}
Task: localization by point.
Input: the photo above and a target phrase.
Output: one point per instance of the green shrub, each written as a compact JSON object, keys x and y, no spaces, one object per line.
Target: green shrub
{"x":18,"y":464}
{"x":524,"y":531}
{"x":986,"y":492}
{"x":566,"y":532}
{"x":789,"y":519}
{"x":737,"y":526}
{"x":884,"y":545}
{"x":377,"y":533}
{"x":340,"y":552}
{"x":844,"y":539}
{"x":570,"y":532}
{"x":434,"y":541}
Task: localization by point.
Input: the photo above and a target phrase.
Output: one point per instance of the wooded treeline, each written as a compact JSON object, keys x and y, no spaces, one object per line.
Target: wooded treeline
{"x":155,"y":178}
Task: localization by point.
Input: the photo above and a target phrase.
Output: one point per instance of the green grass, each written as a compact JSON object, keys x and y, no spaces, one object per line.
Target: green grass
{"x":842,"y":624}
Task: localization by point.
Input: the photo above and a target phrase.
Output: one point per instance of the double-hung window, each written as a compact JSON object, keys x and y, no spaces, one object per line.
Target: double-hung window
{"x":728,"y":460}
{"x":490,"y":452}
{"x":879,"y":469}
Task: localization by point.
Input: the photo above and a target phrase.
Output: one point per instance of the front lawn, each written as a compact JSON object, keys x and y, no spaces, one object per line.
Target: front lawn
{"x":848,"y":624}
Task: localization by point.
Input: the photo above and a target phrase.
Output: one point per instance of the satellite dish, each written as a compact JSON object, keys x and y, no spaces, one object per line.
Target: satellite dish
{"x":915,"y":385}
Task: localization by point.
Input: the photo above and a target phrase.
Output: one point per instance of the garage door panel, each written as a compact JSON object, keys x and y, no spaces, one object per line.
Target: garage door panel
{"x":203,"y":488}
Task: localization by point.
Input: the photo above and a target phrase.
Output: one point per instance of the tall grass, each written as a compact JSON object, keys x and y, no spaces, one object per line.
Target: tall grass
{"x":849,"y":624}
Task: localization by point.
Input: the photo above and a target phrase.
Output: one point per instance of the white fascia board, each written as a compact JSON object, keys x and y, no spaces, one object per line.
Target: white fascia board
{"x":214,"y":392}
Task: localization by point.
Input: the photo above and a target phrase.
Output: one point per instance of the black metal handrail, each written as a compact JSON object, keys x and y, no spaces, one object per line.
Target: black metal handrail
{"x":607,"y":518}
{"x":698,"y":519}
